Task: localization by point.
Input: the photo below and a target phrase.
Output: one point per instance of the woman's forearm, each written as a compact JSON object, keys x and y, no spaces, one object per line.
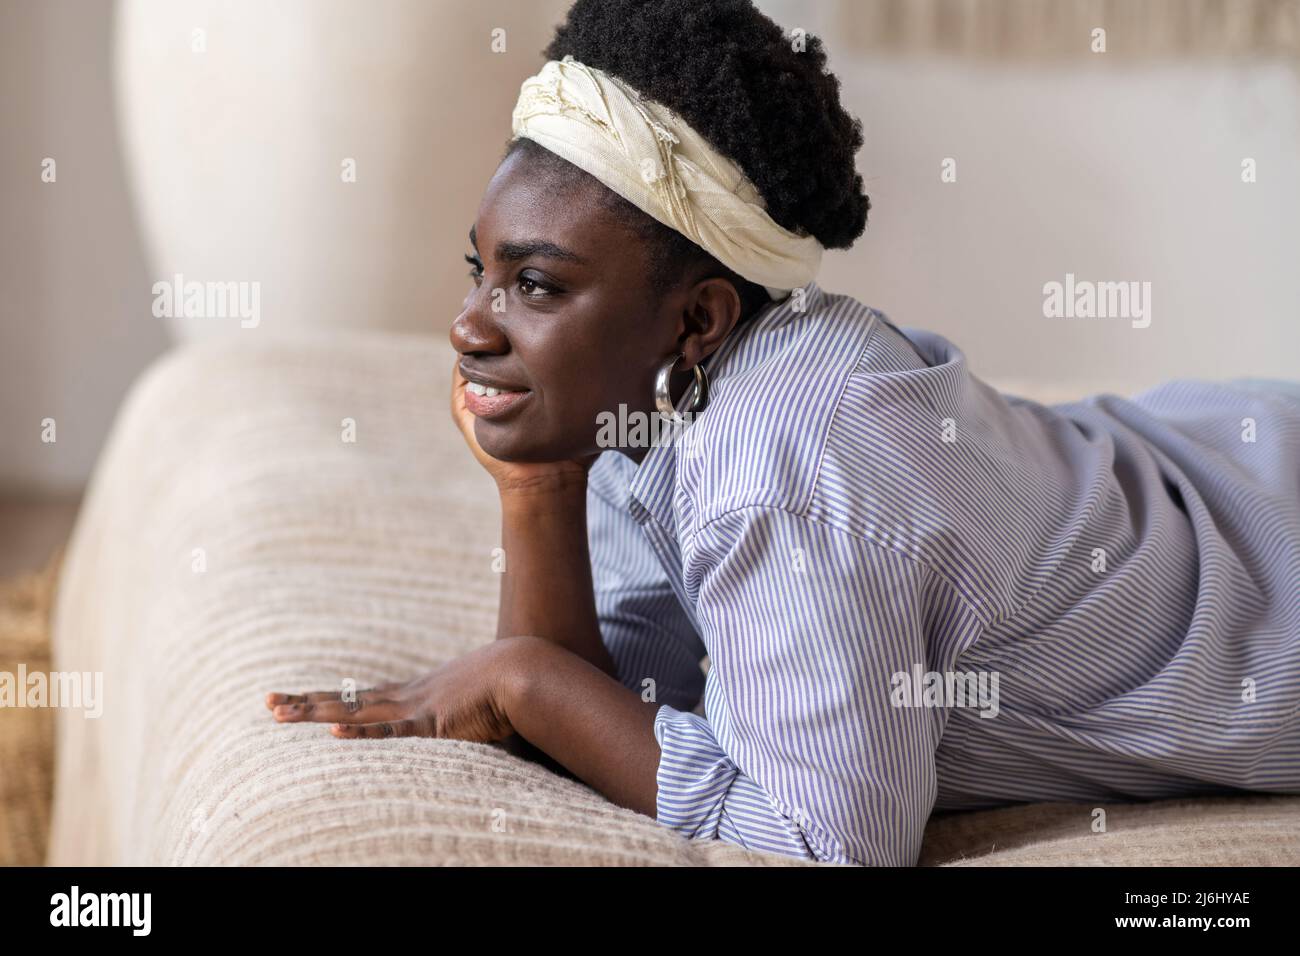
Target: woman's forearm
{"x":546,"y":587}
{"x":587,"y":721}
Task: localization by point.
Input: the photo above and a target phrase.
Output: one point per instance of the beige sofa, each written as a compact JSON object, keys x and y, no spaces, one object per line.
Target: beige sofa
{"x":233,"y":543}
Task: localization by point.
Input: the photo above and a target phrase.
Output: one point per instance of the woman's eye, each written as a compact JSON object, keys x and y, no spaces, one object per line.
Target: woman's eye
{"x":534,"y":287}
{"x":477,"y":271}
{"x":530,"y":286}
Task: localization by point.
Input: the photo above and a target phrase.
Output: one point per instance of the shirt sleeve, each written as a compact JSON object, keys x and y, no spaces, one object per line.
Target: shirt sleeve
{"x":803,"y":752}
{"x":655,"y":647}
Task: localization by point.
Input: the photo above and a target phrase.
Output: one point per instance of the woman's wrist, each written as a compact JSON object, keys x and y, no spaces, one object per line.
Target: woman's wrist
{"x":550,"y":492}
{"x":526,"y":658}
{"x":583,"y":719}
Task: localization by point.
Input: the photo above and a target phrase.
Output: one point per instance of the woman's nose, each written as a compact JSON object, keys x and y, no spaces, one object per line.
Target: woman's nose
{"x":474,"y":331}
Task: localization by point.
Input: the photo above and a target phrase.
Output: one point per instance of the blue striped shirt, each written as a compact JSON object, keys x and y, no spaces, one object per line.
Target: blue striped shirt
{"x":857,"y":529}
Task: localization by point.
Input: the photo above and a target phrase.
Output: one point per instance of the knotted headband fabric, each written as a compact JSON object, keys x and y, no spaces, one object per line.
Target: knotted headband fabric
{"x":651,"y":157}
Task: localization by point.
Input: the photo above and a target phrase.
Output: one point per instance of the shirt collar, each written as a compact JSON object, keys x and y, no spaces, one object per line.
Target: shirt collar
{"x":650,"y":490}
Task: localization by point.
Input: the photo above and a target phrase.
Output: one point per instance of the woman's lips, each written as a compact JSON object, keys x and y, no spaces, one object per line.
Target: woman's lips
{"x":494,"y":406}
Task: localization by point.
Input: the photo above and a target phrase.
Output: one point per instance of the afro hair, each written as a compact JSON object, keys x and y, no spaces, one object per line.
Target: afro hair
{"x":755,"y":94}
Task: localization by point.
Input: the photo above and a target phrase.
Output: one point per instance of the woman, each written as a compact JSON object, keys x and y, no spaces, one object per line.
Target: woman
{"x":914,"y":593}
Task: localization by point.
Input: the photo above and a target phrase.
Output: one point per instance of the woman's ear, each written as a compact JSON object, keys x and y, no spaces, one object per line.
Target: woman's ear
{"x":712,"y":310}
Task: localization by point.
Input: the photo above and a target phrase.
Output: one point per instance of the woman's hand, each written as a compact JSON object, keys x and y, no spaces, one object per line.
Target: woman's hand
{"x":520,"y":688}
{"x":464,"y":700}
{"x":512,"y":477}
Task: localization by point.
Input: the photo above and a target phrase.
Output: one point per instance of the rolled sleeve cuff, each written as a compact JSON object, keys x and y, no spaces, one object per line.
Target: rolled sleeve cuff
{"x":702,"y":794}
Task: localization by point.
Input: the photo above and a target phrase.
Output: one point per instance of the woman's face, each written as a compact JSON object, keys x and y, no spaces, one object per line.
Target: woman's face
{"x":562,"y":311}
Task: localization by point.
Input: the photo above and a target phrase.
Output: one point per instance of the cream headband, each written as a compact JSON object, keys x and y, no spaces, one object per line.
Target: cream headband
{"x":652,"y":158}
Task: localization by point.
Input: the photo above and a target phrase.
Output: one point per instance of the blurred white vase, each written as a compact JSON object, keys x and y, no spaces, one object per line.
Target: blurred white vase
{"x":242,"y":120}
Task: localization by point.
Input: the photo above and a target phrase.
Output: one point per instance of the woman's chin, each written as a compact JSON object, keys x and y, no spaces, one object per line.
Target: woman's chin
{"x":508,"y":441}
{"x":499,"y":440}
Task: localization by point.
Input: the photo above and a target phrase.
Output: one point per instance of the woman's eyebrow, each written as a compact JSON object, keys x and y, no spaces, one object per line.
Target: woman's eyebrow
{"x":522,"y":249}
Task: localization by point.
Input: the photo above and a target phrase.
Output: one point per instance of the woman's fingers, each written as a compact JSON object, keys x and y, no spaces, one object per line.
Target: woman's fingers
{"x":367,"y":707}
{"x":275,"y":699}
{"x":418,"y":727}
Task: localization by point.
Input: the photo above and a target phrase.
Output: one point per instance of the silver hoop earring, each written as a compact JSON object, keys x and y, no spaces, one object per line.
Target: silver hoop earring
{"x":663,"y":398}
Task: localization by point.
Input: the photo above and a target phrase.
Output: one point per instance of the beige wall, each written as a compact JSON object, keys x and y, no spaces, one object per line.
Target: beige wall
{"x":1112,"y":173}
{"x":74,"y":287}
{"x":224,"y":166}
